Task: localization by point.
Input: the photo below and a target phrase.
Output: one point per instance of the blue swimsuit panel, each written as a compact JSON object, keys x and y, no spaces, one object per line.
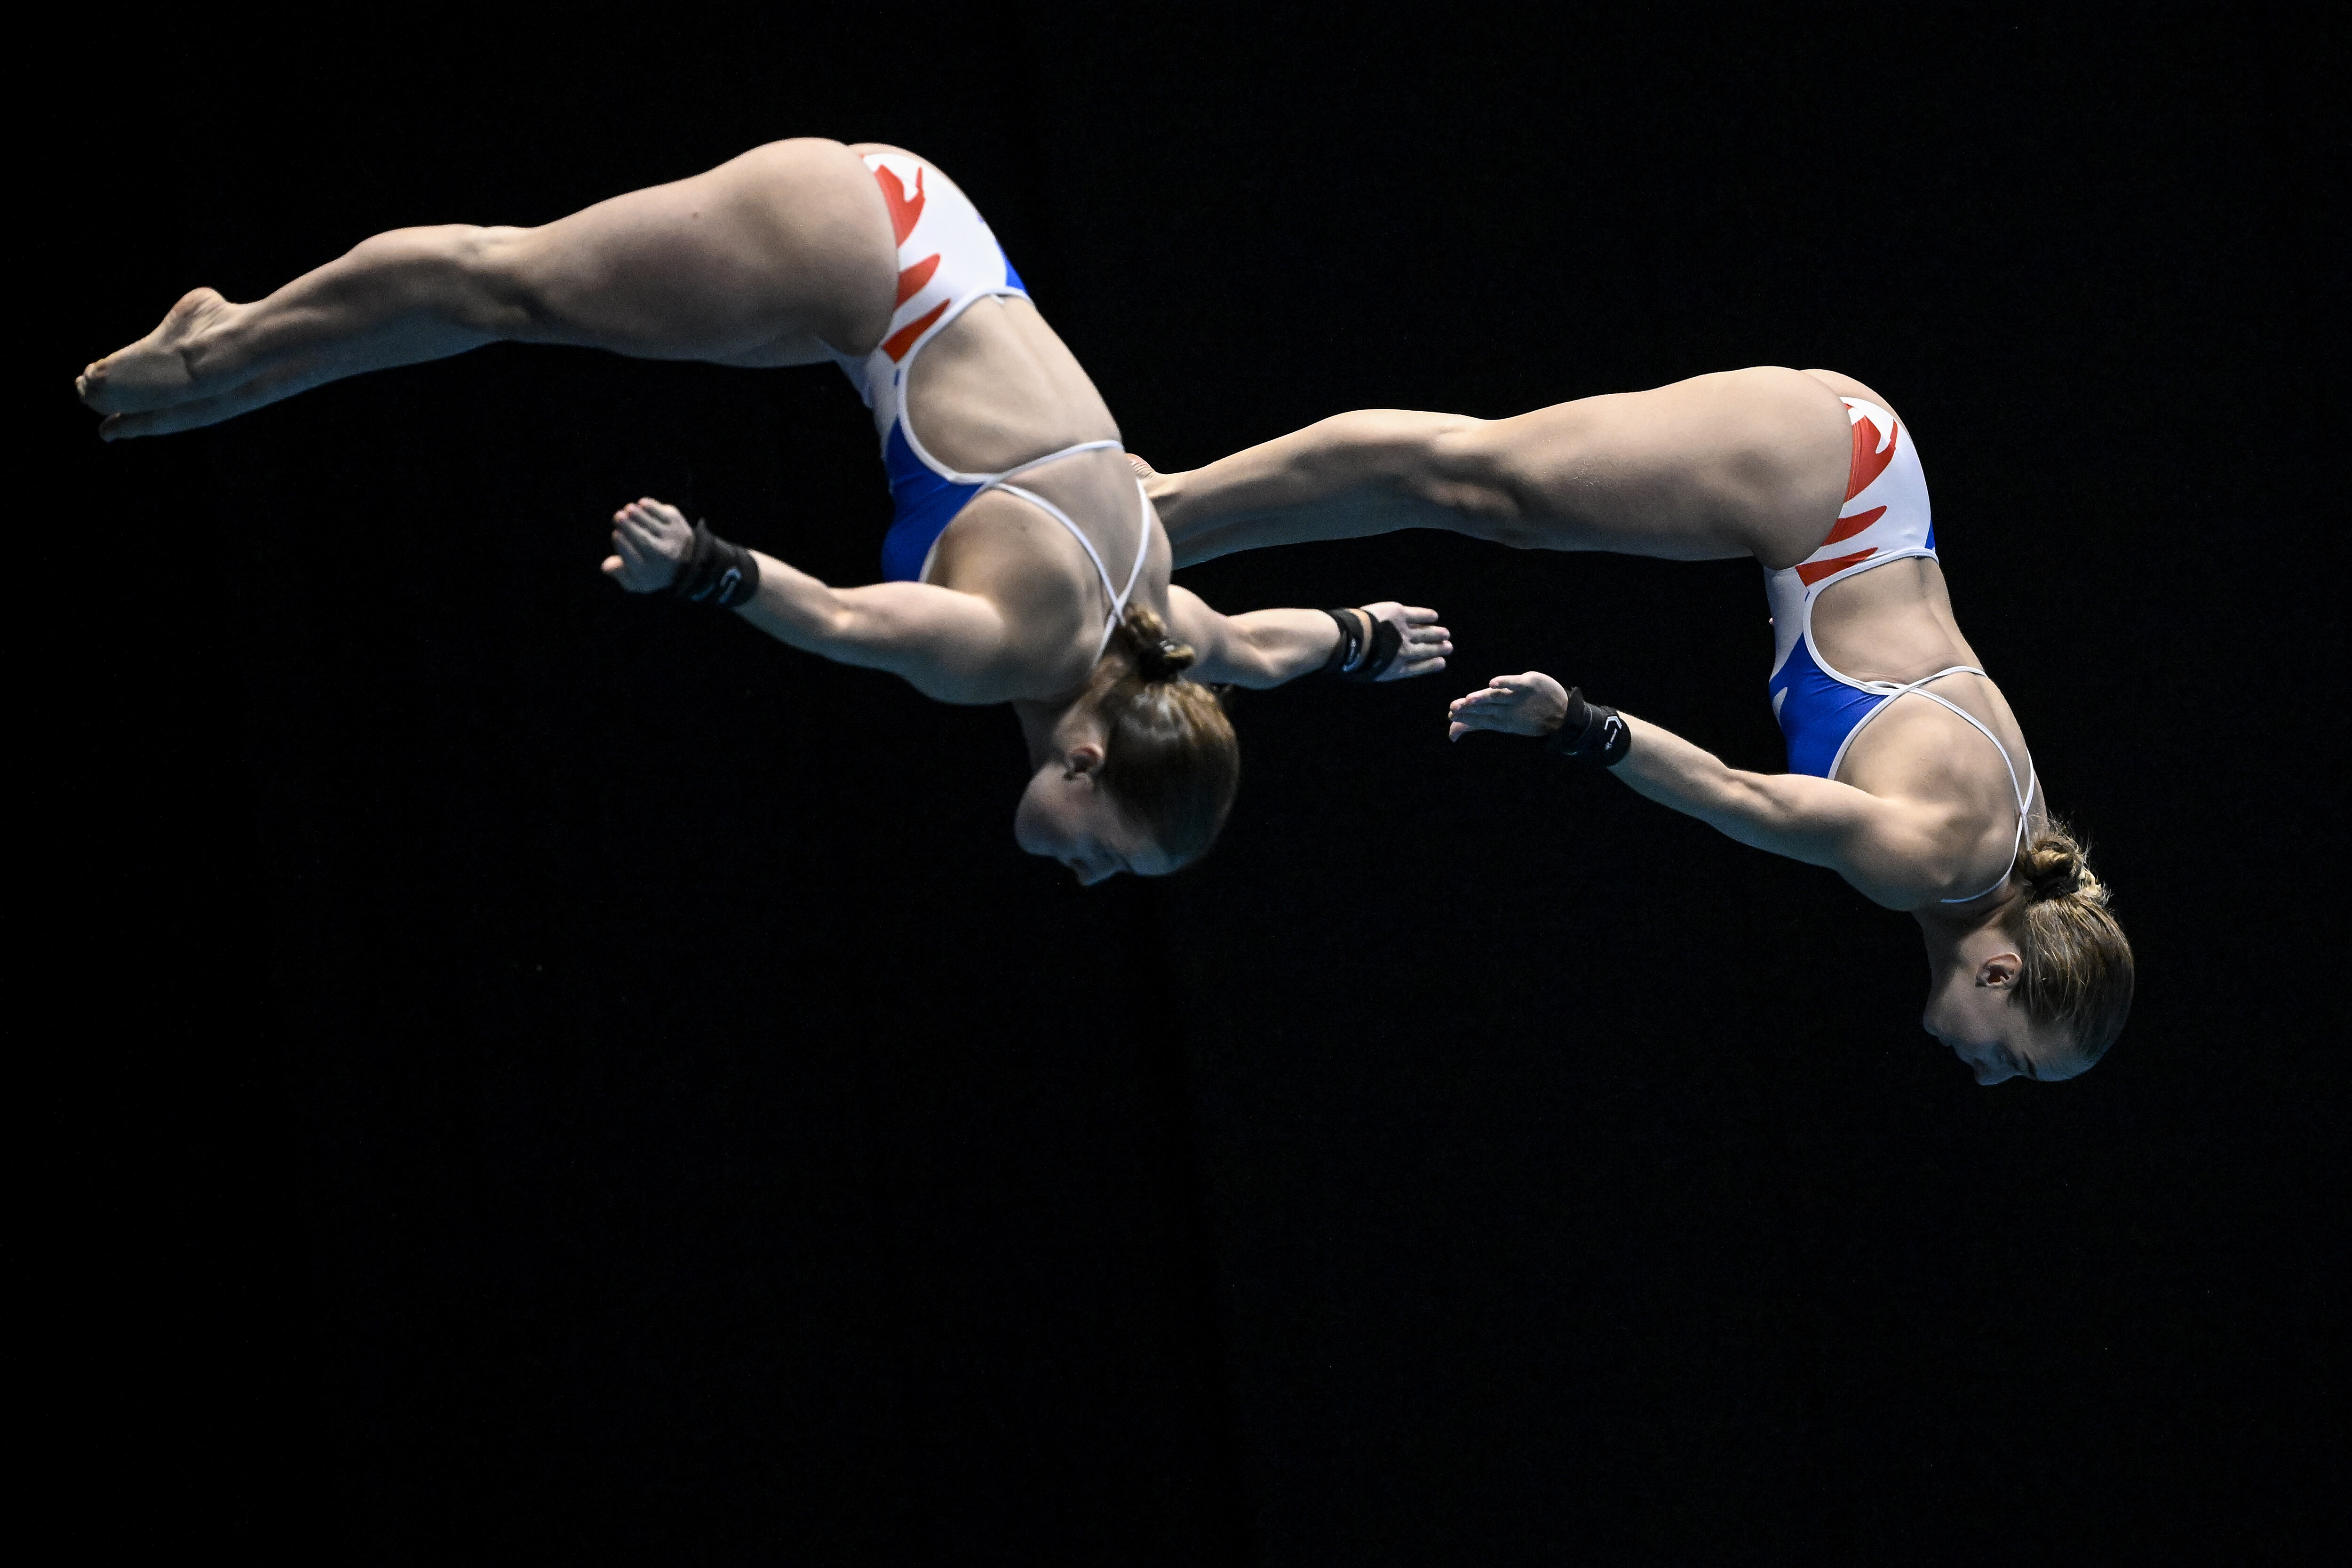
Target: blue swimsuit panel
{"x":1817,"y":711}
{"x":922,"y":502}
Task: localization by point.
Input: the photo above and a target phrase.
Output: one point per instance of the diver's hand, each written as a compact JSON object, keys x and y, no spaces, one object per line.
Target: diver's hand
{"x":1530,"y":704}
{"x":1425,"y":644}
{"x":651,"y":539}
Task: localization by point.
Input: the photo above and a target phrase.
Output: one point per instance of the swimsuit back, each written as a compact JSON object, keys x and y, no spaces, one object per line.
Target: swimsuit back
{"x":948,"y":260}
{"x":1885,"y":518}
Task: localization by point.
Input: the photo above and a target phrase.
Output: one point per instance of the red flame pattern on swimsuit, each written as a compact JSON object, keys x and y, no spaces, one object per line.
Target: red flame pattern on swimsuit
{"x":897,"y":344}
{"x":1868,"y":461}
{"x":1812,"y":572}
{"x":1847,"y":527}
{"x":906,"y":212}
{"x":912,"y":278}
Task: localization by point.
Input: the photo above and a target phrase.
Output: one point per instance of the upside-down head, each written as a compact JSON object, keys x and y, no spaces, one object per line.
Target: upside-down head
{"x":2041,"y":989}
{"x":1146,"y":764}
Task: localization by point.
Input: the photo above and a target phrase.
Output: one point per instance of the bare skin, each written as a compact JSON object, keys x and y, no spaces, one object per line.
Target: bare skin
{"x":779,"y":257}
{"x":1750,"y":462}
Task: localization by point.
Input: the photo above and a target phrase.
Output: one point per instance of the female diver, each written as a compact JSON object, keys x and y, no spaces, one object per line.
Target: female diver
{"x":1908,"y":775}
{"x":1023,"y":565}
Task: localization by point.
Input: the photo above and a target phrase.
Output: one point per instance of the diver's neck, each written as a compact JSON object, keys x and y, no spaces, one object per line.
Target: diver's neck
{"x":1051,"y":728}
{"x":1946,"y":928}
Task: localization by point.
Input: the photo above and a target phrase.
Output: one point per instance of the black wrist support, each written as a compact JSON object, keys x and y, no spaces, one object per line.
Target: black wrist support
{"x":1356,"y":658}
{"x":715,"y":572}
{"x":1591,"y":733}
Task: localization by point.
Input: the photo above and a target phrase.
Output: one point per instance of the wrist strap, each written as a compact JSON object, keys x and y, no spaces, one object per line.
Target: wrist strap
{"x":1359,"y":657}
{"x":1591,"y":733}
{"x":715,"y":572}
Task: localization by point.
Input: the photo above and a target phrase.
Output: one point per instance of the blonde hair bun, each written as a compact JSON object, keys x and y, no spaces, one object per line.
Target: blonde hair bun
{"x":1171,"y":760}
{"x":2079,"y":972}
{"x":2054,"y":867}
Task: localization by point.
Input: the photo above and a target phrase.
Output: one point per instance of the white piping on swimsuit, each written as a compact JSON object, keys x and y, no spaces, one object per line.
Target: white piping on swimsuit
{"x":1142,"y":546}
{"x":1900,"y":527}
{"x":948,"y":261}
{"x":1891,"y":689}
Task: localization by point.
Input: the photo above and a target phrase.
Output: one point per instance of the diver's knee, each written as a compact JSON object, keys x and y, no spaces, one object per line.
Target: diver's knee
{"x":499,"y":279}
{"x":1467,"y":466}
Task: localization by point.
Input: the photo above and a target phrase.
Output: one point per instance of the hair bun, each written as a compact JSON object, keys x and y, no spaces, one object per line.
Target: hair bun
{"x":1156,"y":656}
{"x":2054,"y":878}
{"x":2053,"y":867}
{"x":1164,"y":658}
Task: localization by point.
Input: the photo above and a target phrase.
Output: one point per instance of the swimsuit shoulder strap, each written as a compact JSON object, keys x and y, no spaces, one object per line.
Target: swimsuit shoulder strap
{"x":1118,"y":596}
{"x":2023,"y":791}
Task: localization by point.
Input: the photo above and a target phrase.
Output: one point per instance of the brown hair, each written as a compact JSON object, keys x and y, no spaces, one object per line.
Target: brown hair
{"x":2078,"y":964}
{"x":1170,"y":759}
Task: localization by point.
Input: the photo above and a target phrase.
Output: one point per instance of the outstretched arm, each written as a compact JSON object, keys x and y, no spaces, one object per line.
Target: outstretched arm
{"x":955,"y":647}
{"x":1886,"y":848}
{"x":751,"y":263}
{"x":1267,"y":647}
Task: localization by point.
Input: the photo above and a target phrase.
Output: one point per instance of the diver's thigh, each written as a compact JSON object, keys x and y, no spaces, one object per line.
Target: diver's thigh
{"x":1742,"y":463}
{"x":787,"y":245}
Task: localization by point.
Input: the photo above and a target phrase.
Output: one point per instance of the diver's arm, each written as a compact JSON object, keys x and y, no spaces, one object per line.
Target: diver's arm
{"x":1887,"y":848}
{"x":946,"y":645}
{"x":954,"y":647}
{"x":1261,"y":649}
{"x":1815,"y":820}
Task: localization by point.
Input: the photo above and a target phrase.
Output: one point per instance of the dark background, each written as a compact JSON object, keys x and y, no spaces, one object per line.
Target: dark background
{"x":534,"y":1076}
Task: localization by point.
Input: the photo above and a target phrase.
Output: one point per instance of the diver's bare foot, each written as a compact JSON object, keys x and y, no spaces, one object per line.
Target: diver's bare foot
{"x":155,"y":372}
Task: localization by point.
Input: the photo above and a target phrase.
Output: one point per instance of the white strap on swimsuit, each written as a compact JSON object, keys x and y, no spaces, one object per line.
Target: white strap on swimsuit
{"x":2024,"y":792}
{"x":948,"y":261}
{"x":1885,"y":518}
{"x":1118,"y":596}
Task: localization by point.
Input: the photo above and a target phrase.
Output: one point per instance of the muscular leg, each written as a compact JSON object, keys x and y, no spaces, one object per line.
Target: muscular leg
{"x":1347,"y":476}
{"x":1748,"y":462}
{"x":766,"y":259}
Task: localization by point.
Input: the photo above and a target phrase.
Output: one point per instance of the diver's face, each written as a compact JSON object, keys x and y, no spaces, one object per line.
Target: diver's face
{"x":1974,"y":1010}
{"x":1065,"y":816}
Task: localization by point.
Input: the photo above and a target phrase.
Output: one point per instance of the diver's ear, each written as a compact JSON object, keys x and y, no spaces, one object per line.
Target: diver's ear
{"x":2001,"y":971}
{"x":1083,"y":760}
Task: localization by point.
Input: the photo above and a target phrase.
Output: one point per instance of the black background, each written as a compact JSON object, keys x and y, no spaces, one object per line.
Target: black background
{"x":534,"y":1076}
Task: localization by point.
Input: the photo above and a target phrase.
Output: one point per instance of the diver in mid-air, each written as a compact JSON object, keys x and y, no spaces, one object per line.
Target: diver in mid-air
{"x":1023,"y":565}
{"x":1909,"y":774}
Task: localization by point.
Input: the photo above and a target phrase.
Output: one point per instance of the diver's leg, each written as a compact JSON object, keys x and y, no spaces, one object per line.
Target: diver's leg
{"x":1748,"y":462}
{"x":1347,"y":476}
{"x":766,"y":259}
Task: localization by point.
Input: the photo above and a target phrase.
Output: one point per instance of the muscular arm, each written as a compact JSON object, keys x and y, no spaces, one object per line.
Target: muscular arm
{"x":949,"y":645}
{"x":1796,"y":814}
{"x":1889,"y":850}
{"x":962,"y":647}
{"x":1262,"y":649}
